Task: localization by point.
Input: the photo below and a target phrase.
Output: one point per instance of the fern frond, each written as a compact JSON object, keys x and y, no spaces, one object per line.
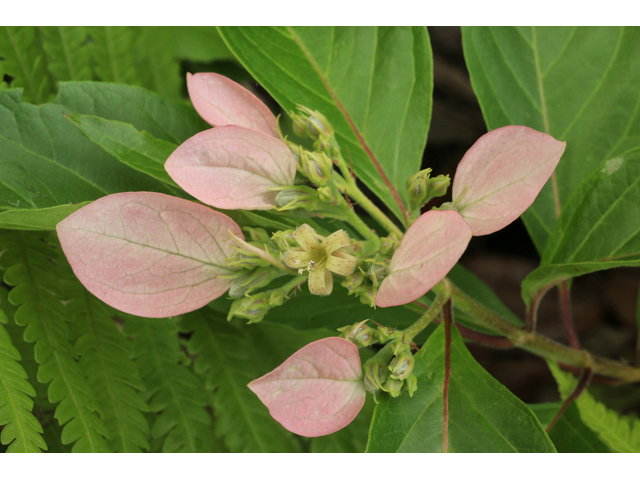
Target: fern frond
{"x":21,"y":429}
{"x":25,"y":61}
{"x":224,"y":359}
{"x":172,"y":390}
{"x":621,"y":433}
{"x":30,"y":268}
{"x":67,"y":52}
{"x":105,"y":361}
{"x":113,"y":54}
{"x":157,"y":63}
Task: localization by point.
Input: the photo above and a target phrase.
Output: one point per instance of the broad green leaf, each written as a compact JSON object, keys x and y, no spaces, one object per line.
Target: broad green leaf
{"x":67,"y":52}
{"x":578,"y":84}
{"x":483,"y":415}
{"x":599,"y":227}
{"x":37,"y":218}
{"x":199,"y":44}
{"x":23,"y":58}
{"x":139,"y":150}
{"x":46,"y":161}
{"x":569,"y":434}
{"x":156,"y":62}
{"x":621,"y":433}
{"x":113,"y":53}
{"x":373,"y":84}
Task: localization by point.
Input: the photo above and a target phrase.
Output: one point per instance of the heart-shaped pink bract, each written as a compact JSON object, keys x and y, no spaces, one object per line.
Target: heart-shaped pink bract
{"x":316,"y":391}
{"x":221,"y":101}
{"x":149,"y":254}
{"x":429,"y":249}
{"x":232,"y":167}
{"x":502,"y":174}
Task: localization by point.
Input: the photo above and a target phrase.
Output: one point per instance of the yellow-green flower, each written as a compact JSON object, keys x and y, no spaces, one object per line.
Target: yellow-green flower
{"x":320,"y":256}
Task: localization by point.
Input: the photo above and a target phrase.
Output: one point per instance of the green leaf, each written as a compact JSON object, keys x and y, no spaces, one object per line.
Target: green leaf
{"x":24,"y":59}
{"x":139,"y":150}
{"x":105,"y":360}
{"x":156,"y":60}
{"x":579,"y":84}
{"x":113,"y":54}
{"x":226,"y":360}
{"x":599,"y":227}
{"x":67,"y":52}
{"x":373,"y":84}
{"x":621,"y":433}
{"x":483,"y":415}
{"x":28,"y":264}
{"x":46,"y":161}
{"x":37,"y":218}
{"x":569,"y":434}
{"x":172,"y":391}
{"x":21,"y":431}
{"x":199,"y":44}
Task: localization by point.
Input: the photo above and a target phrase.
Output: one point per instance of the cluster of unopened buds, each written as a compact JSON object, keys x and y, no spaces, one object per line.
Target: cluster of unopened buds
{"x":154,"y":255}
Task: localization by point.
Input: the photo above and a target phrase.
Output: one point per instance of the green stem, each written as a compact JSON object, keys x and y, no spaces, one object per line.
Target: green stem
{"x":293,"y":283}
{"x":429,"y":315}
{"x":535,"y":343}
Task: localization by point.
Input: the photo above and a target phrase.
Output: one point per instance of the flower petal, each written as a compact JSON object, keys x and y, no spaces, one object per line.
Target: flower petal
{"x":149,"y":254}
{"x":320,"y":281}
{"x":221,"y":101}
{"x":306,"y":238}
{"x":429,"y":249}
{"x":296,"y":258}
{"x":341,"y":263}
{"x":232,"y":167}
{"x":502,"y":174}
{"x":335,"y":241}
{"x":316,"y":391}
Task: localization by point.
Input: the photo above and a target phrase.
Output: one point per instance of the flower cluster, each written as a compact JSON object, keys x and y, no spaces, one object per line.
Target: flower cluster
{"x":154,"y":255}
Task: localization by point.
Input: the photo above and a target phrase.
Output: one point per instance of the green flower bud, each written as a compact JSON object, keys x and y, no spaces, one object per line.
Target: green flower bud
{"x":393,"y":386}
{"x":253,"y":308}
{"x":322,"y":144}
{"x":317,"y":167}
{"x":317,"y":124}
{"x":288,"y":199}
{"x":417,"y":187}
{"x":389,"y":245}
{"x":384,"y":334}
{"x":276,"y":298}
{"x":411,"y":384}
{"x":369,"y":386}
{"x":353,"y":281}
{"x":368,"y":297}
{"x":299,"y":125}
{"x":398,"y":346}
{"x":250,"y":281}
{"x":437,"y":186}
{"x":242,"y":259}
{"x":375,"y":370}
{"x":325,"y":194}
{"x":401,"y":366}
{"x":377,"y":272}
{"x":360,"y":334}
{"x":284,"y":240}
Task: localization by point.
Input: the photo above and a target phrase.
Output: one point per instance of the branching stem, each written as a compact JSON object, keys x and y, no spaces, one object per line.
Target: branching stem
{"x":429,"y":315}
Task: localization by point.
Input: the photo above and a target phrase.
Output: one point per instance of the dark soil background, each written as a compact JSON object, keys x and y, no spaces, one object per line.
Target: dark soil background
{"x":604,"y":303}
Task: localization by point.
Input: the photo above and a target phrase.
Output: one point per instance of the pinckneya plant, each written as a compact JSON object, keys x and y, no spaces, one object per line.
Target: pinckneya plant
{"x":154,"y":255}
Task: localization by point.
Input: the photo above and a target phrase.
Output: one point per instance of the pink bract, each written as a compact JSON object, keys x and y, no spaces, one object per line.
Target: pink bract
{"x":502,"y":174}
{"x":232,"y":167}
{"x":316,"y":391}
{"x":149,"y":254}
{"x":429,"y":249}
{"x":221,"y":101}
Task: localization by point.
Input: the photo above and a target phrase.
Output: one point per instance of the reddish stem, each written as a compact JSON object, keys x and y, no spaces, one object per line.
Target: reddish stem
{"x":567,"y":315}
{"x":448,"y":319}
{"x":585,"y":378}
{"x":532,"y":311}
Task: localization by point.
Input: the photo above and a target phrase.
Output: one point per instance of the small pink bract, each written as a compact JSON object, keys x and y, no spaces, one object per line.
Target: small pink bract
{"x":149,"y":254}
{"x":221,"y":101}
{"x":502,"y":174}
{"x":316,"y":391}
{"x":232,"y":167}
{"x":429,"y":249}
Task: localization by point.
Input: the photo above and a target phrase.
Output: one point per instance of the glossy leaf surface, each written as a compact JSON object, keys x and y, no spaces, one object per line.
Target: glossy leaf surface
{"x":233,"y":167}
{"x":501,"y":175}
{"x":373,"y":84}
{"x":578,"y":84}
{"x":316,"y":391}
{"x":429,"y":249}
{"x":483,"y":415}
{"x":149,"y":254}
{"x":598,"y":229}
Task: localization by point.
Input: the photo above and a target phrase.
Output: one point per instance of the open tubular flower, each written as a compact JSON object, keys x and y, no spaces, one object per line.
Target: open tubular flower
{"x":321,"y":257}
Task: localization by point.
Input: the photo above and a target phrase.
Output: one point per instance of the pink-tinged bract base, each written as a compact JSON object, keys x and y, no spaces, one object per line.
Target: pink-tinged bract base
{"x":149,"y":254}
{"x":316,"y":391}
{"x":221,"y":101}
{"x":502,"y":174}
{"x":429,"y":249}
{"x":232,"y":167}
